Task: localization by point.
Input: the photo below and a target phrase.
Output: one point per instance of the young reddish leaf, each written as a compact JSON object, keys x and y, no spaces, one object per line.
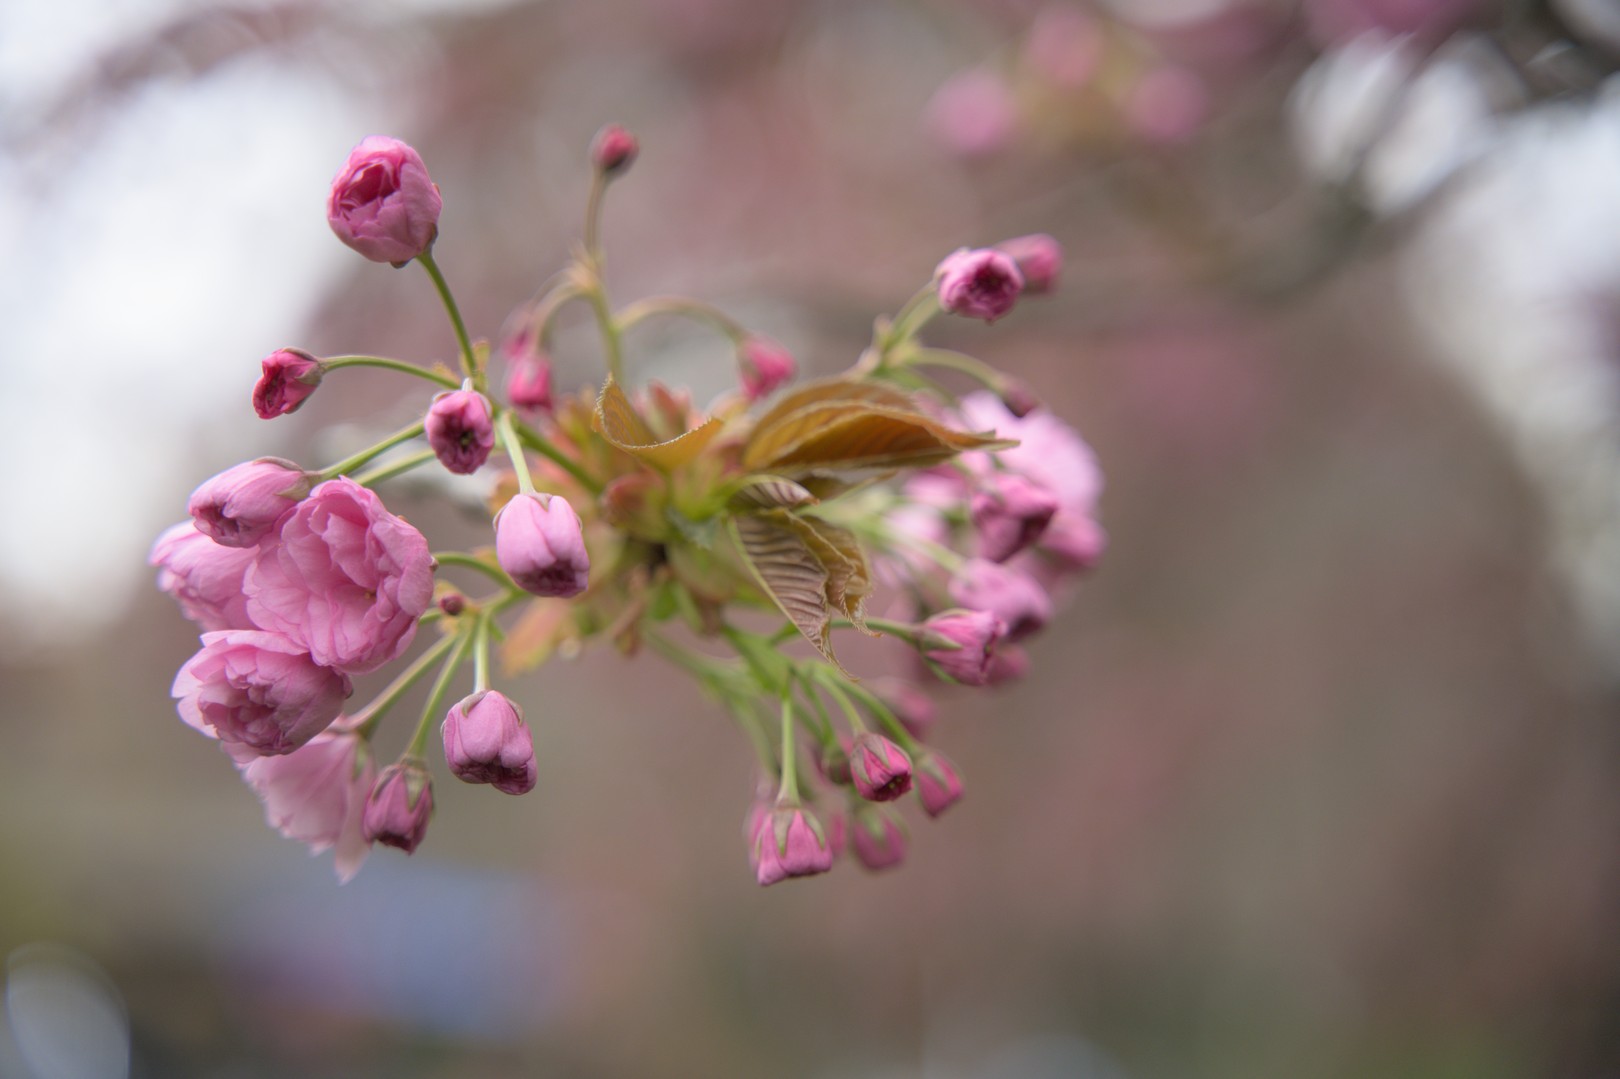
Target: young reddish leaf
{"x":790,"y":574}
{"x":617,"y":421}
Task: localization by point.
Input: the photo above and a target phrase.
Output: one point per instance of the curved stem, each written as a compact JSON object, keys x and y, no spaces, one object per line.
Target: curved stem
{"x":547,"y":449}
{"x":593,"y":215}
{"x":832,"y":684}
{"x":335,"y":362}
{"x":467,"y":561}
{"x":642,"y":310}
{"x":911,"y":318}
{"x":514,"y":450}
{"x":885,"y":715}
{"x":611,"y":344}
{"x":350,"y":463}
{"x":365,"y":721}
{"x":396,"y":468}
{"x":441,"y":686}
{"x":468,"y":364}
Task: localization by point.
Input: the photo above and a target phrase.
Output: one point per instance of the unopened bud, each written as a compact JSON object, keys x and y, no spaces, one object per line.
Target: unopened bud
{"x":613,"y":149}
{"x":399,"y":807}
{"x":289,"y":376}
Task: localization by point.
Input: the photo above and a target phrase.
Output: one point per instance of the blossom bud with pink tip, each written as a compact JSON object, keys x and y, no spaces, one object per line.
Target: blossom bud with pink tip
{"x":763,"y":366}
{"x":938,"y":785}
{"x":790,"y":842}
{"x":1010,"y":514}
{"x":528,"y":382}
{"x":486,"y":741}
{"x":613,"y":149}
{"x":460,"y":427}
{"x":878,"y":839}
{"x":258,"y":689}
{"x":383,"y":203}
{"x":289,"y":376}
{"x":1012,"y":596}
{"x":399,"y":806}
{"x":1038,"y":257}
{"x":539,"y":543}
{"x":982,"y":283}
{"x":960,"y":644}
{"x":881,"y":770}
{"x":244,"y":503}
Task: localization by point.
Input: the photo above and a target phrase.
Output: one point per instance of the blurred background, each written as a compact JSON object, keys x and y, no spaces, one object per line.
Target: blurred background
{"x":1318,"y":775}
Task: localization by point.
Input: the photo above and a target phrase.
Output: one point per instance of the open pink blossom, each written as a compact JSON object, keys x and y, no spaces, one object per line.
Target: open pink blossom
{"x":317,"y":795}
{"x":486,"y":741}
{"x":539,"y":543}
{"x":258,"y":689}
{"x":204,"y":577}
{"x":1009,"y":514}
{"x":460,"y":426}
{"x":345,"y":578}
{"x":981,"y":283}
{"x":790,"y":842}
{"x":289,"y":376}
{"x":383,"y":204}
{"x":245,"y":503}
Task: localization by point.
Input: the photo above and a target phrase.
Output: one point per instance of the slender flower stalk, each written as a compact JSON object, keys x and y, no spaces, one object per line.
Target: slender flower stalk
{"x":376,"y":449}
{"x":469,"y":363}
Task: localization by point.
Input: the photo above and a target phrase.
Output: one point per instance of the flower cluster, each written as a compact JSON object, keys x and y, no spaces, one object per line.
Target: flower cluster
{"x":717,"y":537}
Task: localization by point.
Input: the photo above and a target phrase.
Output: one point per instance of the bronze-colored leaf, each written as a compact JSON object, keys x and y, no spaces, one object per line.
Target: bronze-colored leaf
{"x":834,"y":389}
{"x":617,"y":421}
{"x":841,"y":557}
{"x":791,"y":575}
{"x":771,"y":493}
{"x":839,"y":436}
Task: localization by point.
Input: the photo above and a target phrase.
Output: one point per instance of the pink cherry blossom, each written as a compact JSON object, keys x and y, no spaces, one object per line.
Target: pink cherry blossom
{"x":878,"y":839}
{"x":245,"y":503}
{"x":613,"y":149}
{"x":289,"y":376}
{"x":763,"y":366}
{"x":790,"y":842}
{"x":258,"y":689}
{"x":1009,"y":514}
{"x":382,"y":203}
{"x":204,"y":577}
{"x":317,"y":795}
{"x":961,"y":643}
{"x":486,"y":741}
{"x":345,"y":578}
{"x":460,"y":426}
{"x":1038,"y":257}
{"x":1016,"y":598}
{"x":938,"y":785}
{"x":399,"y":807}
{"x":538,"y":542}
{"x":982,"y":283}
{"x":881,"y":770}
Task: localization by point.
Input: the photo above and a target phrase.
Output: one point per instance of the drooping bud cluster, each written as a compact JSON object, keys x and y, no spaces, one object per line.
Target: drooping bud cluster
{"x":301,"y":579}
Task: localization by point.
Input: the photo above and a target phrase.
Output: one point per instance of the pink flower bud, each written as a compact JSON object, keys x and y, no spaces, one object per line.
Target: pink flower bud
{"x":881,"y":770}
{"x":1010,"y":514}
{"x":528,"y":382}
{"x":486,"y":741}
{"x":877,"y":837}
{"x":960,"y":644}
{"x":538,"y":542}
{"x":203,"y":577}
{"x":763,"y":366}
{"x":938,"y":785}
{"x":1038,"y":257}
{"x":1017,"y":397}
{"x":613,"y":149}
{"x":461,"y":429}
{"x":344,"y":578}
{"x":911,"y":706}
{"x":981,"y":283}
{"x":243,"y":504}
{"x":317,"y":795}
{"x":399,"y":807}
{"x":258,"y":689}
{"x":790,"y":842}
{"x":383,"y":204}
{"x":1015,"y":598}
{"x":290,"y":376}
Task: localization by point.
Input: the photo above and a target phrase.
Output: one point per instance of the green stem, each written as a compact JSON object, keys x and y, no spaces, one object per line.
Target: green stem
{"x":397,"y":468}
{"x":468,"y":364}
{"x":903,"y":630}
{"x":970,"y":366}
{"x":514,"y":450}
{"x":831,"y":682}
{"x":676,"y":305}
{"x":467,"y":561}
{"x":481,"y":653}
{"x":788,"y":792}
{"x":593,"y":216}
{"x":545,"y":448}
{"x":365,"y":721}
{"x":435,"y":701}
{"x":335,"y":362}
{"x":350,"y":463}
{"x":611,"y":344}
{"x":546,"y":312}
{"x":911,"y":318}
{"x":885,"y":716}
